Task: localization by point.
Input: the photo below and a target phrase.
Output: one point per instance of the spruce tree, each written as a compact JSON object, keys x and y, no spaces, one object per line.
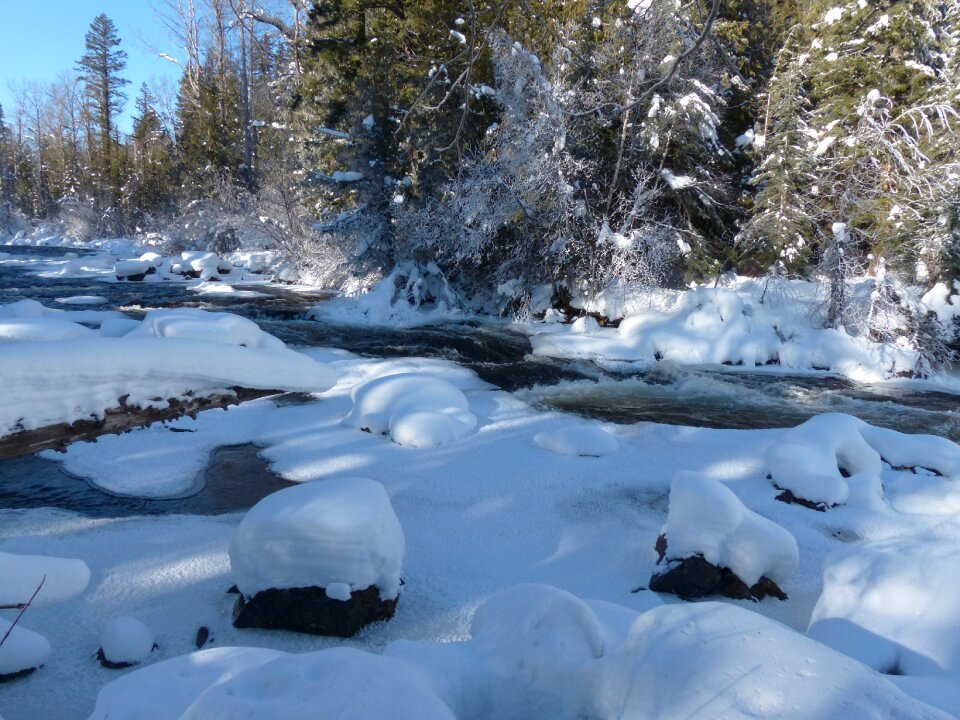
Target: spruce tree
{"x":100,"y":69}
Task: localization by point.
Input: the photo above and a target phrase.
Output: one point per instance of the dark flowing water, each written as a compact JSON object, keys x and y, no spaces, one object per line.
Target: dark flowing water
{"x":237,"y":478}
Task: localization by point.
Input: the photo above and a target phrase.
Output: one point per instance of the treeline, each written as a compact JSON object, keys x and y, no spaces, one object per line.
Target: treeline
{"x":523,"y":150}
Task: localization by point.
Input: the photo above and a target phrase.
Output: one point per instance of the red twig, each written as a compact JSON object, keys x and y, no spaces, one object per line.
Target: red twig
{"x":23,"y":608}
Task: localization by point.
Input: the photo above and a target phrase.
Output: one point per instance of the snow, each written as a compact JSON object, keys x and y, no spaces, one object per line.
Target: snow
{"x":706,"y":518}
{"x":750,"y":323}
{"x":350,"y":176}
{"x":63,"y":579}
{"x":895,"y":609}
{"x":126,"y":640}
{"x":75,"y":374}
{"x":341,"y":530}
{"x":415,"y":409}
{"x":164,"y":690}
{"x":808,"y":459}
{"x":128,"y":268}
{"x":582,"y":440}
{"x":22,"y":650}
{"x":83,"y":300}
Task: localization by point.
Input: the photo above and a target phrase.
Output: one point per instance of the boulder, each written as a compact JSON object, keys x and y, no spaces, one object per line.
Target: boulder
{"x":311,"y":610}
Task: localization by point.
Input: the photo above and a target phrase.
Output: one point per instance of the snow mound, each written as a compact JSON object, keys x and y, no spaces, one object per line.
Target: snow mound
{"x":896,"y":610}
{"x":710,"y":660}
{"x":62,"y":578}
{"x":706,"y":518}
{"x":82,"y":300}
{"x":833,"y":459}
{"x":342,"y":530}
{"x":132,"y":268}
{"x":583,"y":440}
{"x":194,"y":324}
{"x":41,"y":330}
{"x":341,"y":683}
{"x":22,"y":650}
{"x":165,"y":690}
{"x":126,"y":640}
{"x":415,"y":409}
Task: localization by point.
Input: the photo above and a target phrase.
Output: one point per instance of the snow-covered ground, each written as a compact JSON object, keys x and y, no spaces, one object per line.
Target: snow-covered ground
{"x":528,"y":536}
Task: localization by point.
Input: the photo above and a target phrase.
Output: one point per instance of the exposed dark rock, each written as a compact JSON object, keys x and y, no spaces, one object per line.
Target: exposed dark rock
{"x":788,"y":497}
{"x":309,"y":610}
{"x":111,"y":665}
{"x":19,"y":674}
{"x":695,"y":577}
{"x":133,"y":278}
{"x":203,"y":634}
{"x":233,"y":590}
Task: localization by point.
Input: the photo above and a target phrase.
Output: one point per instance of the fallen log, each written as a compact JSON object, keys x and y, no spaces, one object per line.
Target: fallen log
{"x":119,"y":420}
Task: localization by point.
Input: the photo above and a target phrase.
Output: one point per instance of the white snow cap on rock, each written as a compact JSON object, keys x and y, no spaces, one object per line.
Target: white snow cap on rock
{"x":585,"y":440}
{"x":21,"y":575}
{"x":163,"y":691}
{"x":126,"y":640}
{"x":807,"y":459}
{"x":416,"y":409}
{"x":128,"y":268}
{"x":895,"y":609}
{"x":341,"y":683}
{"x":194,"y":324}
{"x":23,"y":649}
{"x":706,"y":518}
{"x":328,"y":532}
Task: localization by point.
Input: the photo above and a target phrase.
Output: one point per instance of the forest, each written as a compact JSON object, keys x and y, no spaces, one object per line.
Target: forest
{"x":529,"y":153}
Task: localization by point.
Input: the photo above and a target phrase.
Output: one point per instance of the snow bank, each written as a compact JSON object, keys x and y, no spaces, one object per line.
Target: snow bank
{"x":740,"y":325}
{"x":833,"y":459}
{"x":23,"y":649}
{"x":126,"y":640}
{"x":341,"y":683}
{"x":896,"y":610}
{"x":342,"y":530}
{"x":706,"y":518}
{"x":414,"y":408}
{"x":63,"y":579}
{"x":583,"y":440}
{"x":41,"y":330}
{"x":165,"y":690}
{"x":169,"y":354}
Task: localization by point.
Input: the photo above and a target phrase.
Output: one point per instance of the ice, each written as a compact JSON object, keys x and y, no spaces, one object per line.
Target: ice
{"x":896,"y":609}
{"x":22,"y":650}
{"x":165,"y":690}
{"x":416,"y":409}
{"x":126,"y":640}
{"x":63,"y":579}
{"x":706,"y":518}
{"x":582,"y":439}
{"x":342,"y":530}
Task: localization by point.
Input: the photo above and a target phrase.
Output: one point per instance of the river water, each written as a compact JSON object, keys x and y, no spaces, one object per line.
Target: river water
{"x":707,"y":397}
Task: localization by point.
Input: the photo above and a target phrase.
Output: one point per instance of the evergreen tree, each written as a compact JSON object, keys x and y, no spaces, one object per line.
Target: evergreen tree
{"x":100,"y":69}
{"x":150,"y":186}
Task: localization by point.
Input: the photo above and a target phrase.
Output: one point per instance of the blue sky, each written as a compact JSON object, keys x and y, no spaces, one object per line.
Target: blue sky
{"x":42,"y":39}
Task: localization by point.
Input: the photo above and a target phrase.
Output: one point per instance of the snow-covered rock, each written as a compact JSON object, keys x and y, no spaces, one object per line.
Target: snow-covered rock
{"x":44,"y":329}
{"x":342,"y":530}
{"x":707,"y":519}
{"x":132,"y":269}
{"x":194,"y":324}
{"x":62,"y":578}
{"x":833,"y":459}
{"x":415,"y":409}
{"x":896,"y":610}
{"x":165,"y":690}
{"x":583,"y":440}
{"x":125,"y":641}
{"x":23,"y":650}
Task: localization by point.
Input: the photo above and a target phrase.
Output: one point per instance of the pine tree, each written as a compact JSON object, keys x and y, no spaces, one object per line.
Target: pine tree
{"x":149,"y":188}
{"x":100,"y":69}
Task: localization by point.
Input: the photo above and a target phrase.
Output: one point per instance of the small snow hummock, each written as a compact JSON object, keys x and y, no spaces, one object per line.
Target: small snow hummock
{"x":895,"y":609}
{"x":833,"y":459}
{"x":125,"y":641}
{"x":323,"y":533}
{"x":82,"y":300}
{"x":61,"y":578}
{"x":415,"y":409}
{"x":578,"y":440}
{"x":23,"y":651}
{"x":127,"y":269}
{"x":706,"y":518}
{"x":194,"y":324}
